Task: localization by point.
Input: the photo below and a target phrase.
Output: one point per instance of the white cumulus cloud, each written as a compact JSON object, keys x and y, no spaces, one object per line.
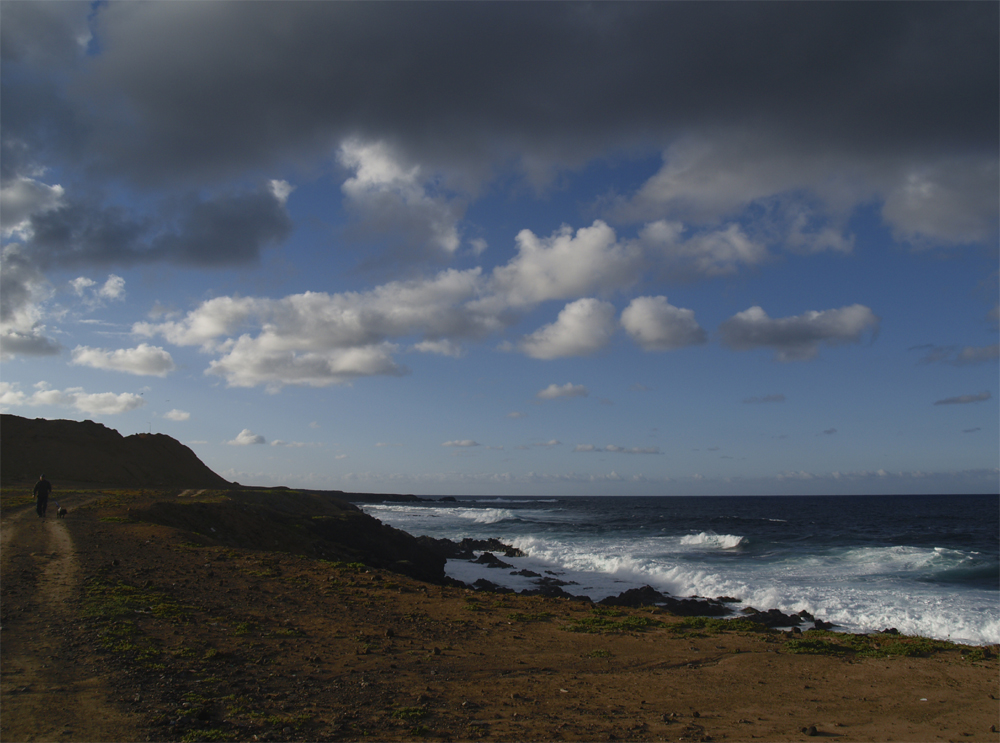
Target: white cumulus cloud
{"x":92,"y":403}
{"x":566,"y":390}
{"x":392,"y":197}
{"x":565,"y":265}
{"x":657,"y":325}
{"x":177,"y":415}
{"x":113,"y":288}
{"x":246,"y":437}
{"x":582,"y":328}
{"x":144,"y":360}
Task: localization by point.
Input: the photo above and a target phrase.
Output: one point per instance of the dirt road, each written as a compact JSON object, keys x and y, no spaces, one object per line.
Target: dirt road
{"x":50,"y":683}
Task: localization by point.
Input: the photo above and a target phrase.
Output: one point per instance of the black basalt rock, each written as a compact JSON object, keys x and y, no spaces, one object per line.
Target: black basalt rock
{"x":772,"y":618}
{"x":649,"y":596}
{"x":549,"y":588}
{"x":527,"y":573}
{"x":636,"y":597}
{"x":491,"y":561}
{"x":696,"y":607}
{"x":489,"y":586}
{"x":492,"y":545}
{"x":446,"y":548}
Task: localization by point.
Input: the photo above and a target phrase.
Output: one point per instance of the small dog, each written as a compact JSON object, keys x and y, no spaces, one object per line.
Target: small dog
{"x":60,"y":512}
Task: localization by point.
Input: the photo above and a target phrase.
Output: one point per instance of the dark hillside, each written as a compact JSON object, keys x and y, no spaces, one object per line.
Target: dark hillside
{"x":310,"y":524}
{"x":152,"y":468}
{"x":87,"y":452}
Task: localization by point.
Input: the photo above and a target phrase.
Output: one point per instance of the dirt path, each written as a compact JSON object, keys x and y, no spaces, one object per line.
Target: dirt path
{"x":50,"y":682}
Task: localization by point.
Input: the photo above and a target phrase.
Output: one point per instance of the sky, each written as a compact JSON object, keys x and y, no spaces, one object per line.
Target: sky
{"x":511,"y":248}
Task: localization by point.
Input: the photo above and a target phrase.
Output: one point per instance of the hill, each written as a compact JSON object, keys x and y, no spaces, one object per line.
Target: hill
{"x":91,"y":453}
{"x":210,"y":510}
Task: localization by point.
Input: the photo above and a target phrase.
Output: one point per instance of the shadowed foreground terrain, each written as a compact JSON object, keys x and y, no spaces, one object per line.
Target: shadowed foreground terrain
{"x":229,"y":614}
{"x":118,"y":628}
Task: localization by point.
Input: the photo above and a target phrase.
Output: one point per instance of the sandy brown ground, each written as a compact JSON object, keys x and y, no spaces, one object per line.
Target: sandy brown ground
{"x":116,"y":630}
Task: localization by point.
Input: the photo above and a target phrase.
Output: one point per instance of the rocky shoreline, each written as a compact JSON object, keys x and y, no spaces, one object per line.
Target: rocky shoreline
{"x":256,"y":616}
{"x":550,"y":586}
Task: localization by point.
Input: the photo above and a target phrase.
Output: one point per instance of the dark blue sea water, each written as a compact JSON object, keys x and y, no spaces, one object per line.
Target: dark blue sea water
{"x":926,"y":565}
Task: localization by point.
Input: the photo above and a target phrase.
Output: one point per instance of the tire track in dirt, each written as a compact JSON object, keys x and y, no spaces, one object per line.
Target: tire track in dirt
{"x":50,"y":686}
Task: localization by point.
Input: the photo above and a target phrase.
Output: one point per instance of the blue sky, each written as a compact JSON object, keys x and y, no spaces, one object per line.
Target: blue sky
{"x":462,"y":248}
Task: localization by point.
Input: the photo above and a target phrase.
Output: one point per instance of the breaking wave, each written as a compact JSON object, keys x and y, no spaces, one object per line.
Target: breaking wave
{"x":712,"y":540}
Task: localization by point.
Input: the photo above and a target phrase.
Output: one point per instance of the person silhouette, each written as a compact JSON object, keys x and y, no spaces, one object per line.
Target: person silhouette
{"x":42,"y":489}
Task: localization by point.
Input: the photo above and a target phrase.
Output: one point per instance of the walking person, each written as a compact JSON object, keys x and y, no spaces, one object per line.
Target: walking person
{"x":42,"y":489}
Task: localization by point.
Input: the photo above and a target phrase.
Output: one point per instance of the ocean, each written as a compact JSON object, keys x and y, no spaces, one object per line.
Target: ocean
{"x":925,"y":565}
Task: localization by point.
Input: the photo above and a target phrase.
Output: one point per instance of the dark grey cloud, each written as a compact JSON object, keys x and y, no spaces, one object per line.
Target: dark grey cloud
{"x":64,"y":233}
{"x":797,"y":338}
{"x":161,"y":100}
{"x":222,"y":231}
{"x":44,"y":34}
{"x":964,"y":399}
{"x":16,"y":343}
{"x":21,"y":286}
{"x":17,"y":280}
{"x":194,"y":92}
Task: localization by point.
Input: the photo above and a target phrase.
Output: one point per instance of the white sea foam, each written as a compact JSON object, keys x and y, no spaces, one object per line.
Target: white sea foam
{"x":867,"y":561}
{"x":859,"y":588}
{"x":483,"y":515}
{"x":512,"y":500}
{"x":713,"y":540}
{"x":866,"y":607}
{"x":410,"y":517}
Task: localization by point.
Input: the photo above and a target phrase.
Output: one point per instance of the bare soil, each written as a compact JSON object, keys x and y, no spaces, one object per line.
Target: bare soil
{"x":115,"y":629}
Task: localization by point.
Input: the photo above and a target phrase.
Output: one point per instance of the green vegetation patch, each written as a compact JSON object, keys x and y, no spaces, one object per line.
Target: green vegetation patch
{"x":106,"y":601}
{"x":822,"y":642}
{"x":287,"y":632}
{"x":603,"y":621}
{"x":815,"y":647}
{"x":296,"y":722}
{"x":539,"y":616}
{"x":237,"y":704}
{"x":705,"y":626}
{"x":117,"y":607}
{"x":113,"y":499}
{"x":243,"y":628}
